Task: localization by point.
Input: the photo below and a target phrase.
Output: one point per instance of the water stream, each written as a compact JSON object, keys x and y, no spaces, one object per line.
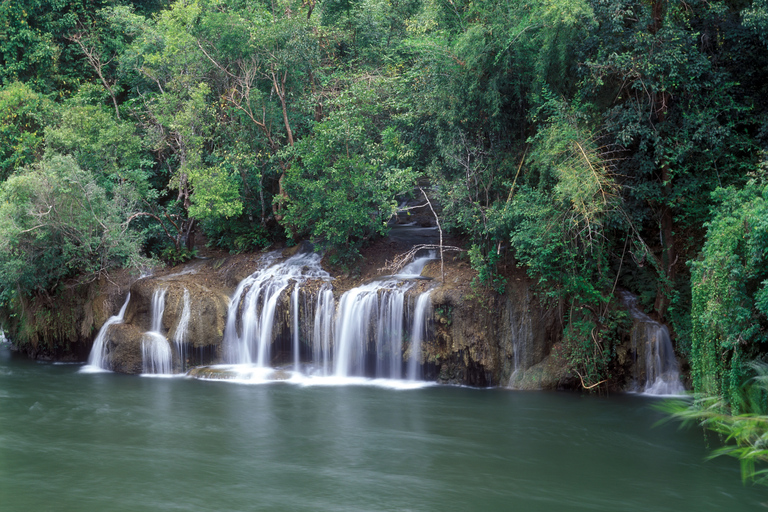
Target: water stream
{"x":156,"y":353}
{"x":182,"y":329}
{"x":419,"y":333}
{"x":99,"y":357}
{"x":659,"y":372}
{"x":249,"y":334}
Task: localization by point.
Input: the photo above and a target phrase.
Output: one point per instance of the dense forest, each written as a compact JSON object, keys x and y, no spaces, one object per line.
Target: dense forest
{"x":599,"y":144}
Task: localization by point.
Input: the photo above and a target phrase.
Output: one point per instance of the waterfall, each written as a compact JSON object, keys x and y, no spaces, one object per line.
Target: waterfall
{"x":322,"y":334}
{"x":255,"y":302}
{"x":295,"y":330}
{"x":180,"y":336}
{"x":156,"y":353}
{"x":282,"y":305}
{"x":99,"y":357}
{"x":651,"y":339}
{"x":158,"y":309}
{"x":419,"y":333}
{"x":414,"y":268}
{"x":371,"y":324}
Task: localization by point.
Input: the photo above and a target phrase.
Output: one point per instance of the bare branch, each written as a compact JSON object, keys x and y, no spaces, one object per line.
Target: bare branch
{"x":401,"y":260}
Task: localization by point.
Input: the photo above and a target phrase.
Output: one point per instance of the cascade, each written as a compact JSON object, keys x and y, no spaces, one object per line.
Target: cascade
{"x":372,"y":315}
{"x":156,"y":353}
{"x":364,"y":336}
{"x":650,"y":340}
{"x":419,"y":333}
{"x":99,"y":357}
{"x":322,"y":333}
{"x":255,"y":303}
{"x":180,"y":336}
{"x":295,"y":331}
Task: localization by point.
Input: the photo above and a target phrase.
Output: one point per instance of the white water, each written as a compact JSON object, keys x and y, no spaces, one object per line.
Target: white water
{"x":419,"y":332}
{"x":99,"y":356}
{"x":180,"y":336}
{"x":295,"y":331}
{"x":364,"y":337}
{"x":662,"y":373}
{"x":322,"y":334}
{"x":156,"y":354}
{"x":371,"y":323}
{"x":254,"y":375}
{"x":254,"y":305}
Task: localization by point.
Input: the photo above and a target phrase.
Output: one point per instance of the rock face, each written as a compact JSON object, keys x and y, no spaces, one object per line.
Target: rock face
{"x":199,"y":289}
{"x":484,"y":339}
{"x":476,"y":337}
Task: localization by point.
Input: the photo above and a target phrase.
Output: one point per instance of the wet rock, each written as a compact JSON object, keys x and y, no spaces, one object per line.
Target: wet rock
{"x":124,"y":348}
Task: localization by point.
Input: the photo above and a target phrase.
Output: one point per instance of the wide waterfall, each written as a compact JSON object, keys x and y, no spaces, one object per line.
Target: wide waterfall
{"x":250,"y":320}
{"x":290,"y":306}
{"x":157,"y":356}
{"x":655,"y":355}
{"x":99,"y":356}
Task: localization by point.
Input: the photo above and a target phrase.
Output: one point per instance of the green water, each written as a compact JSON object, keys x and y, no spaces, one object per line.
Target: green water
{"x":108,"y":442}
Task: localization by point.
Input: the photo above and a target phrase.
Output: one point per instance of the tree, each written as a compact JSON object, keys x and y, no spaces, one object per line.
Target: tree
{"x":56,"y":222}
{"x":730,"y":292}
{"x":23,"y":116}
{"x":343,"y":184}
{"x":671,"y":105}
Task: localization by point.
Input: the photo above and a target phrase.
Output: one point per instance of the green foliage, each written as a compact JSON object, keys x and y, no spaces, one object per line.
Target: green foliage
{"x":56,"y":223}
{"x":106,"y":147}
{"x":345,"y":178}
{"x":177,"y":255}
{"x":23,"y":116}
{"x":756,"y":18}
{"x":581,"y":139}
{"x":741,"y":422}
{"x":236,"y":235}
{"x":729,"y":318}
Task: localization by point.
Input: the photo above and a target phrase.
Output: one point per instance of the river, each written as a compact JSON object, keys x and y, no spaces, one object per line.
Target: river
{"x":74,"y":441}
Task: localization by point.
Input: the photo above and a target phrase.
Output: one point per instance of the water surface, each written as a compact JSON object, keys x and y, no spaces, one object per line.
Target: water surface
{"x":103,"y":441}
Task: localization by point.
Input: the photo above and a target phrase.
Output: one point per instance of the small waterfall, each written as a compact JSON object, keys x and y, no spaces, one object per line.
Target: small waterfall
{"x":366,"y":335}
{"x":158,"y":309}
{"x":180,"y":336}
{"x":419,"y":333}
{"x":156,"y":353}
{"x":414,"y":268}
{"x":371,"y":324}
{"x":521,"y":335}
{"x":295,"y":330}
{"x":652,"y":344}
{"x":99,"y":357}
{"x":255,"y":302}
{"x":322,"y":333}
